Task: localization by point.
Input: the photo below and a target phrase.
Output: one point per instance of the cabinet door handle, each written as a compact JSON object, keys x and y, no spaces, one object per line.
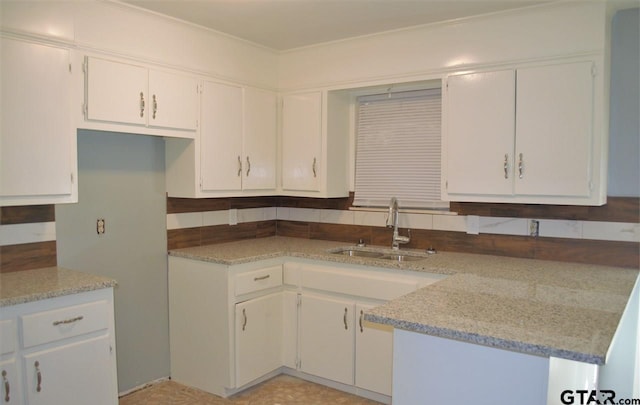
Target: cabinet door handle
{"x":239,"y":166}
{"x":344,"y":319}
{"x":313,"y":167}
{"x":506,"y":165}
{"x":141,"y":104}
{"x":262,"y":277}
{"x":244,"y":318}
{"x":155,"y":106}
{"x":248,"y":166}
{"x":68,"y":321}
{"x":520,"y":166}
{"x":361,"y":316}
{"x":7,"y":388}
{"x":39,"y":376}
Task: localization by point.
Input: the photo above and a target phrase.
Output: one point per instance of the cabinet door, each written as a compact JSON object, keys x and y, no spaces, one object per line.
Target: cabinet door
{"x":259,"y":140}
{"x":76,"y":373}
{"x":258,"y":337}
{"x":289,"y":328}
{"x":37,"y":140}
{"x":301,"y":141}
{"x":554,"y":130}
{"x":480,"y":133}
{"x":221,"y":137}
{"x":173,"y":101}
{"x":374,"y":354}
{"x":327,"y":337}
{"x":10,"y":390}
{"x":116,"y":92}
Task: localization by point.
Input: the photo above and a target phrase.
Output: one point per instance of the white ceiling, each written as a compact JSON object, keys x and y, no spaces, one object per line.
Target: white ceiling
{"x":287,"y":24}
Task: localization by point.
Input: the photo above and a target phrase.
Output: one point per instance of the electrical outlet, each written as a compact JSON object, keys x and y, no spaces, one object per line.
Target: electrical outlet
{"x":534,"y":228}
{"x":100,"y":226}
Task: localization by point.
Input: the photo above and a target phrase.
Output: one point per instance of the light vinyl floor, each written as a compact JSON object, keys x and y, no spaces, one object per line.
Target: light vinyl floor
{"x":280,"y":390}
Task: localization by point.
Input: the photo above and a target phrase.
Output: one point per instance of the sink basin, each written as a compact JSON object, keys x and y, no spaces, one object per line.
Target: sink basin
{"x":385,"y":254}
{"x":402,"y":257}
{"x":358,"y":253}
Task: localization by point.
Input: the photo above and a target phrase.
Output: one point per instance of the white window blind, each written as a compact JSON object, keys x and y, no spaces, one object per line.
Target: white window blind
{"x":398,"y":150}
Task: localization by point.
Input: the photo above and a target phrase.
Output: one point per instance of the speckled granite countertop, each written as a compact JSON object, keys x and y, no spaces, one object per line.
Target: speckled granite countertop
{"x":32,"y":285}
{"x":544,"y":308}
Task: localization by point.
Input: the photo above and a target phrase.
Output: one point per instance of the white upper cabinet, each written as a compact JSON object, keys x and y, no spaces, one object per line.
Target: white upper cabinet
{"x":554,"y":130}
{"x":123,"y":93}
{"x":221,"y":137}
{"x":260,"y":139}
{"x":524,"y":135}
{"x":38,"y":161}
{"x":315,"y":144}
{"x":235,"y":154}
{"x":301,"y":141}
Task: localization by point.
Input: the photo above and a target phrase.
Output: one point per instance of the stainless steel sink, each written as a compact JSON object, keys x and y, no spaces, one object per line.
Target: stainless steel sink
{"x":358,"y":253}
{"x":402,"y":257}
{"x":384,"y":254}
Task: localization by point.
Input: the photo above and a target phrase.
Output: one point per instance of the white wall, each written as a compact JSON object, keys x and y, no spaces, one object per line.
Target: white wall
{"x":565,"y":29}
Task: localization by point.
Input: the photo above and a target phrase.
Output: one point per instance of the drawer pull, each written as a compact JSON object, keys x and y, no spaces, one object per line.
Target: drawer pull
{"x":67,"y":321}
{"x":7,"y":398}
{"x":261,"y":278}
{"x":39,"y":376}
{"x":361,"y":316}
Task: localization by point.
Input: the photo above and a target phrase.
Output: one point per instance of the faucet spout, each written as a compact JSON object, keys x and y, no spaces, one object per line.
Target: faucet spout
{"x":392,"y":222}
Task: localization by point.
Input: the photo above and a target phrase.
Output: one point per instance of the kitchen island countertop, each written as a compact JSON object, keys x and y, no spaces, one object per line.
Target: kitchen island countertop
{"x":545,"y":308}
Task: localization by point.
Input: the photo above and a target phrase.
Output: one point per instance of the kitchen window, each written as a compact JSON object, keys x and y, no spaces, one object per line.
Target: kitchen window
{"x":398,"y":139}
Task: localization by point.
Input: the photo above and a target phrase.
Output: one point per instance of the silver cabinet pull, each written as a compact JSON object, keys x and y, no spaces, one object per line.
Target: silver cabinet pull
{"x":141,"y":104}
{"x":39,"y":376}
{"x":506,"y":165}
{"x":521,"y":166}
{"x":7,"y":388}
{"x":344,"y":319}
{"x":244,"y":318}
{"x":248,"y":166}
{"x":313,"y":167}
{"x":262,"y":277}
{"x":67,"y":321}
{"x":239,"y":166}
{"x":361,"y":316}
{"x":155,"y":106}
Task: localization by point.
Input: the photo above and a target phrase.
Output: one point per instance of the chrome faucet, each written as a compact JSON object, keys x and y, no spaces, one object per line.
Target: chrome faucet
{"x":392,"y":222}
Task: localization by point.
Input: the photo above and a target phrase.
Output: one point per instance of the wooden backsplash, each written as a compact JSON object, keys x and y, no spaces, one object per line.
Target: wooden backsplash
{"x":618,"y":209}
{"x":614,"y":253}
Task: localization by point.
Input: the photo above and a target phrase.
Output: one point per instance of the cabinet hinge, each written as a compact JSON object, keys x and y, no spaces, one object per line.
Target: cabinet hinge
{"x":85,"y":66}
{"x":594,"y":70}
{"x":299,"y":300}
{"x":85,"y":109}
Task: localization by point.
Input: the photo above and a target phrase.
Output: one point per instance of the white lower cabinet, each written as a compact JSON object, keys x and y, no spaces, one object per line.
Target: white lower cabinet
{"x":11,"y":390}
{"x":305,"y":318}
{"x":76,"y":373}
{"x":374,"y":354}
{"x":59,"y":351}
{"x":326,"y":337}
{"x":258,"y":337}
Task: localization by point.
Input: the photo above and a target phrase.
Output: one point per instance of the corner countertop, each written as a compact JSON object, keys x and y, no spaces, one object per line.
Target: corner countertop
{"x":20,"y":287}
{"x":545,"y":308}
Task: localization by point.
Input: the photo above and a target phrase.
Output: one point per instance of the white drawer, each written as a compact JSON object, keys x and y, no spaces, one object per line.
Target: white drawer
{"x":7,"y":336}
{"x":257,"y":280}
{"x":49,"y":326}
